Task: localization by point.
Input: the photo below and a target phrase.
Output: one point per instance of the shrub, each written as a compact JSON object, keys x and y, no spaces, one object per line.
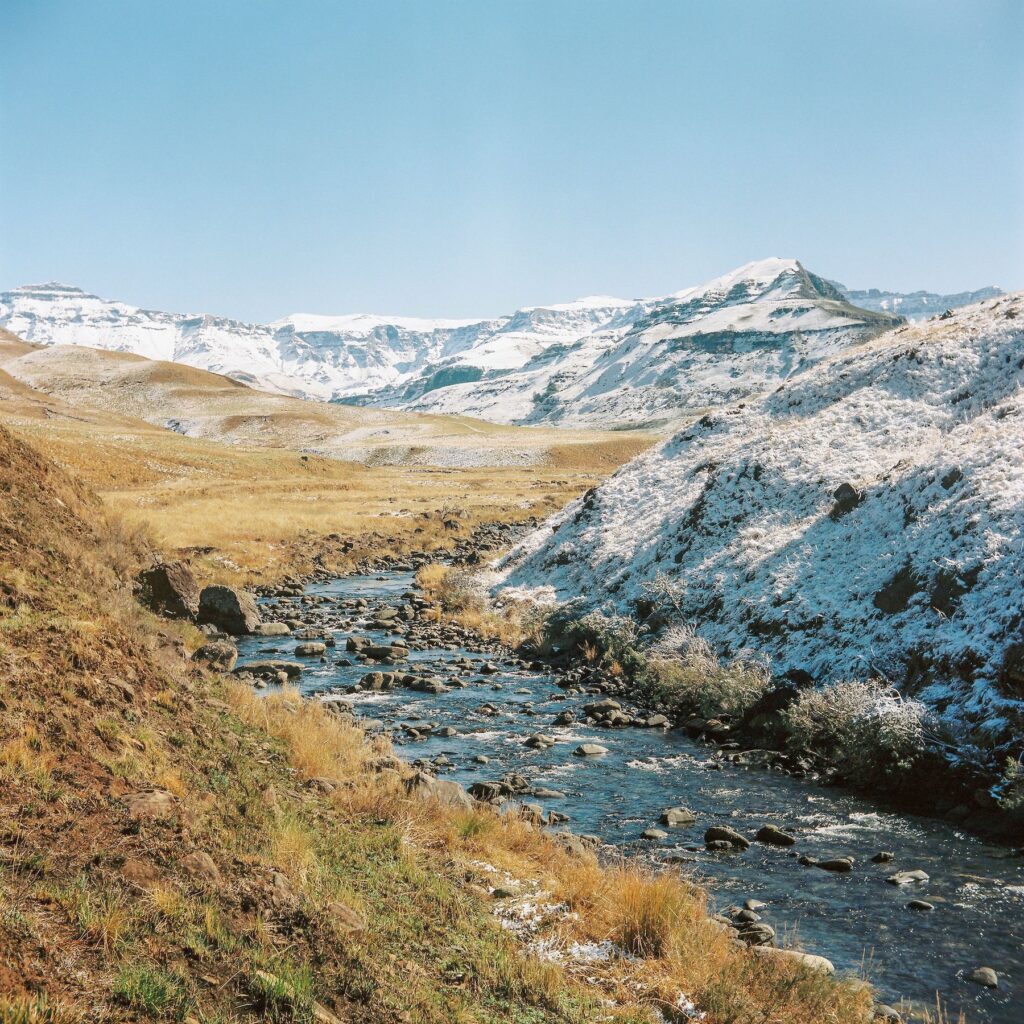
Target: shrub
{"x":685,"y":672}
{"x":867,"y":729}
{"x":604,"y":639}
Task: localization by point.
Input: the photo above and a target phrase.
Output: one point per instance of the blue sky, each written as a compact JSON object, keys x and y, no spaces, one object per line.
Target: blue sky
{"x":464,"y":158}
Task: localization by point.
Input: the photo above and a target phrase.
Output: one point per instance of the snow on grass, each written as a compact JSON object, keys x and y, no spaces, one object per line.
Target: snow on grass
{"x":864,"y":519}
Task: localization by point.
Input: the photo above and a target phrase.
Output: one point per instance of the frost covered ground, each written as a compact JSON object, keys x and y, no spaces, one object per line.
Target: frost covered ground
{"x":866,"y":518}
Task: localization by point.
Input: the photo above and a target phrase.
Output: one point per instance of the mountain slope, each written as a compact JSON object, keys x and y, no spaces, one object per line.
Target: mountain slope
{"x":510,"y":369}
{"x":865,"y":518}
{"x":701,"y":347}
{"x":914,"y":305}
{"x":206,"y":405}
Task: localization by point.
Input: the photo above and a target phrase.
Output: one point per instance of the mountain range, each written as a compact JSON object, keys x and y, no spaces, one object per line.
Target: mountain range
{"x":597,"y":361}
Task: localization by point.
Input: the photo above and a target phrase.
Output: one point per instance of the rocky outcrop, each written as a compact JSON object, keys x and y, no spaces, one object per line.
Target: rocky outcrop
{"x":232,"y":610}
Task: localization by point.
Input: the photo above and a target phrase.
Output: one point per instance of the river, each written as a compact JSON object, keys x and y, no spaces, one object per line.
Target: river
{"x":857,"y":920}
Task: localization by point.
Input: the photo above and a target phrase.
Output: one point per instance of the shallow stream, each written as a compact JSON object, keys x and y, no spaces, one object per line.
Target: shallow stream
{"x":857,"y":920}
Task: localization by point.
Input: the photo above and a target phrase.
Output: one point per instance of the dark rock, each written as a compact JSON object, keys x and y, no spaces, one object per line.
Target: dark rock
{"x":846,"y":499}
{"x":232,"y":610}
{"x":721,"y":833}
{"x":774,"y":836}
{"x":169,"y":589}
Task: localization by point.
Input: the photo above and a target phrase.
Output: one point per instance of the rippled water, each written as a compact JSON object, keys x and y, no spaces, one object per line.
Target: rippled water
{"x":857,"y":920}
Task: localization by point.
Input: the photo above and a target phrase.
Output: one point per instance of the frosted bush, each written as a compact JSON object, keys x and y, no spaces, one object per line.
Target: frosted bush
{"x":685,"y":669}
{"x":867,"y":729}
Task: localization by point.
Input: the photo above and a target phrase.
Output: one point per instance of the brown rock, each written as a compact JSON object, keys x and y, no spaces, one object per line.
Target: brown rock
{"x":152,"y":804}
{"x":201,"y":866}
{"x":169,"y":589}
{"x":232,"y":610}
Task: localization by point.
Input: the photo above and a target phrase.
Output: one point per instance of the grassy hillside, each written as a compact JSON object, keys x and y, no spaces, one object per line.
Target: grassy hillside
{"x":253,"y":496}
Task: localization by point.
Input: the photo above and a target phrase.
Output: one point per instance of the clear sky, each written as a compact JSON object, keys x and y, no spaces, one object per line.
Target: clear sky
{"x":459,"y":158}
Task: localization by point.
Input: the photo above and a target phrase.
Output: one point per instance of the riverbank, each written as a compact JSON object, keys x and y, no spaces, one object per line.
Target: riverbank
{"x":861,"y":736}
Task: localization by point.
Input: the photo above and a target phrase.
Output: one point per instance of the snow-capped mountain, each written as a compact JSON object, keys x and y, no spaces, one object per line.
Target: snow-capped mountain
{"x":914,"y":305}
{"x":660,"y":359}
{"x":598,"y":360}
{"x":865,"y":518}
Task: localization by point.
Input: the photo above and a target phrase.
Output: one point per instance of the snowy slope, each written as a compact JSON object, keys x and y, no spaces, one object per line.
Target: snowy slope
{"x":701,"y":347}
{"x":866,"y":517}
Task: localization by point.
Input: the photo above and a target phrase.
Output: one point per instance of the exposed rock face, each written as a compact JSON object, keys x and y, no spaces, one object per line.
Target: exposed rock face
{"x":232,"y":610}
{"x":169,"y":589}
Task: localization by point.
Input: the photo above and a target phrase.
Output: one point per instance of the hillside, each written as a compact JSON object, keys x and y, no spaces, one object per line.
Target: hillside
{"x":174,"y":848}
{"x":201,"y":404}
{"x":864,"y":519}
{"x":560,"y":363}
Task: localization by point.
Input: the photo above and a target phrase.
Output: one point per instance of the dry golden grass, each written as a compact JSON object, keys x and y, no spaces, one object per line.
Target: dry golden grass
{"x":265,"y":510}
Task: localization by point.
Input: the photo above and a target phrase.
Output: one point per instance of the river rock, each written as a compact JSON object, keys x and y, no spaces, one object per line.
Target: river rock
{"x":442,"y":791}
{"x":808,"y":960}
{"x":272,"y":629}
{"x":539,"y":741}
{"x":920,"y":905}
{"x":169,"y":589}
{"x":590,"y":750}
{"x":772,"y":835}
{"x":883,"y":857}
{"x":653,"y":833}
{"x":984,"y":976}
{"x":675,"y":817}
{"x":271,"y":668}
{"x":758,"y":934}
{"x":656,"y":722}
{"x":310,"y":650}
{"x":840,"y":865}
{"x":722,"y":833}
{"x":218,"y":655}
{"x":232,"y":610}
{"x":906,"y":877}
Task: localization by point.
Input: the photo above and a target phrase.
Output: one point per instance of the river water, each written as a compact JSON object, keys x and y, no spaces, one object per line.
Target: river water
{"x":857,"y":920}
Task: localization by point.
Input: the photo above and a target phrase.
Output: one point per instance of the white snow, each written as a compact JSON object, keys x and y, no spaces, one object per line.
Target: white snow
{"x":920,"y":583}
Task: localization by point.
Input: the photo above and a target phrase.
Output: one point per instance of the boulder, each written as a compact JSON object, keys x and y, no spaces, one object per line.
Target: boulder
{"x":984,"y":976}
{"x":674,"y":817}
{"x":906,"y":877}
{"x":202,"y":867}
{"x":722,"y":833}
{"x":590,"y":750}
{"x":310,"y":650}
{"x":218,"y":655}
{"x":441,"y":791}
{"x":169,"y":589}
{"x":232,"y":610}
{"x":152,"y":804}
{"x":772,"y":835}
{"x":841,"y":865}
{"x":808,"y":960}
{"x":272,"y":629}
